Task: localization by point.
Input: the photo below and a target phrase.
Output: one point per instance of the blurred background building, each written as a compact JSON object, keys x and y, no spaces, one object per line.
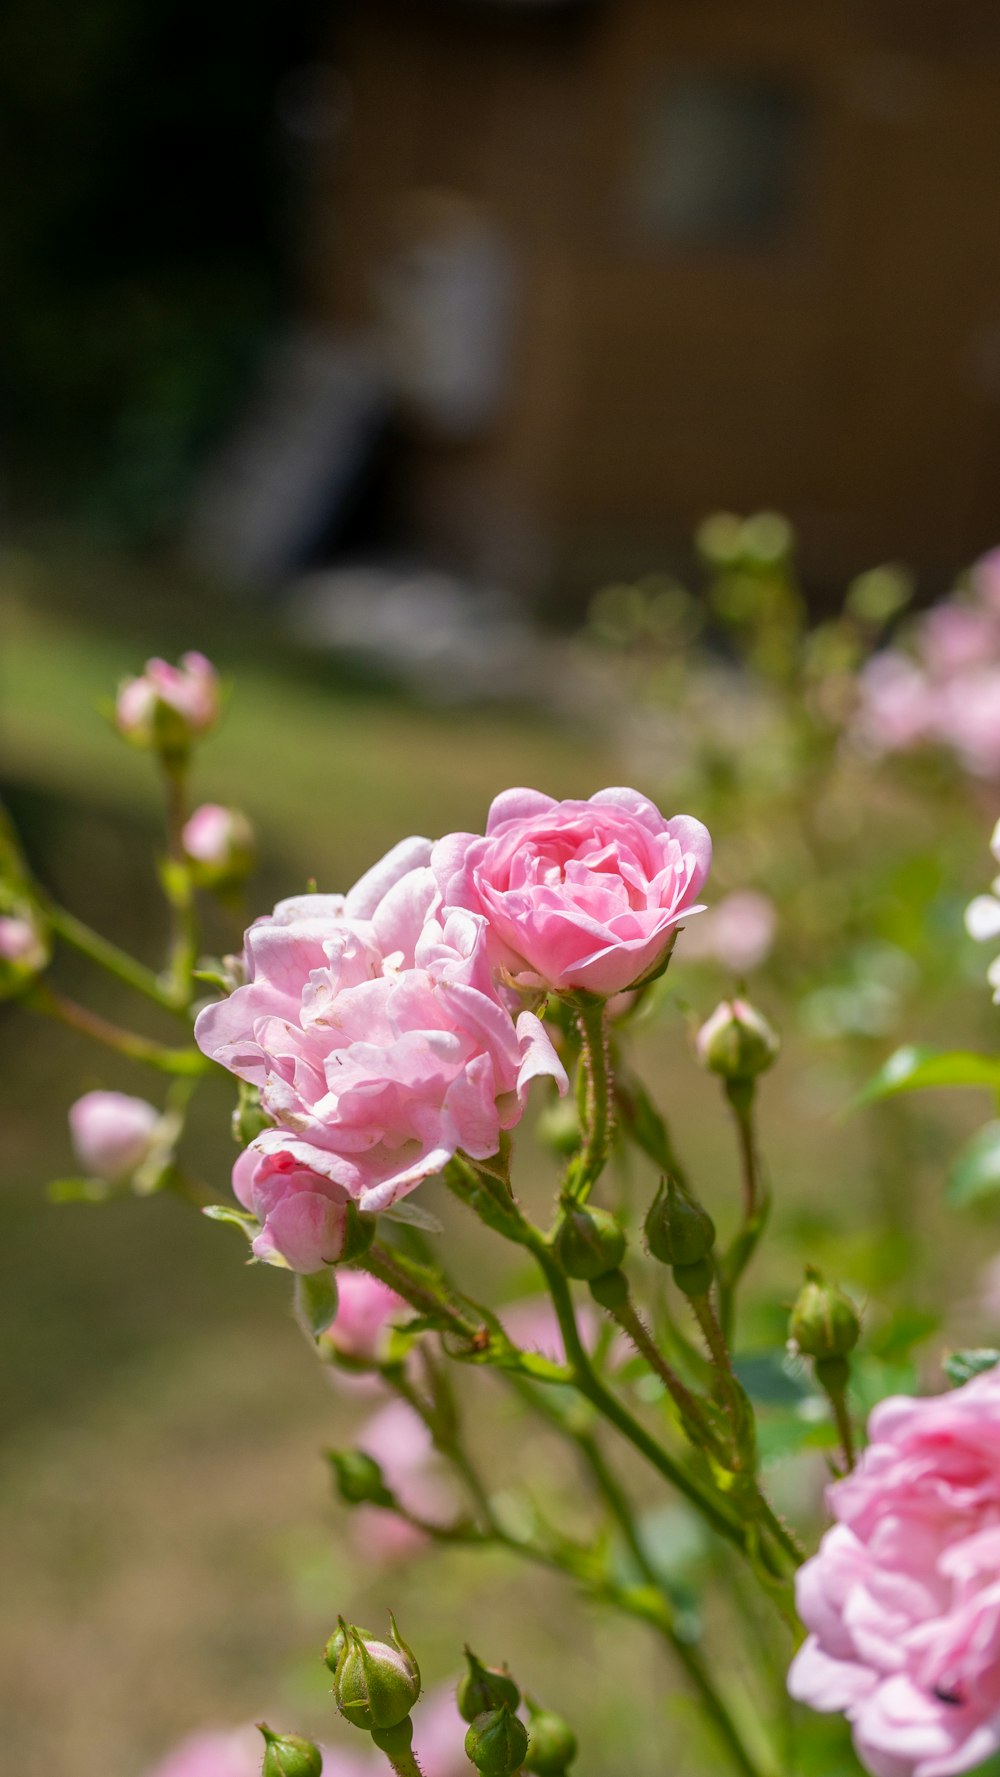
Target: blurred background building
{"x":519,"y":288}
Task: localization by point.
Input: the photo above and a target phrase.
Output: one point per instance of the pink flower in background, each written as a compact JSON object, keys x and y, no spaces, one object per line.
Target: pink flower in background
{"x":902,"y":1600}
{"x":533,"y":1324}
{"x":173,"y":704}
{"x":897,"y":703}
{"x":737,"y":932}
{"x":112,"y":1134}
{"x":577,"y":894}
{"x":969,"y":720}
{"x":365,"y":1310}
{"x":372,"y":1028}
{"x":955,"y":636}
{"x":21,"y":943}
{"x":399,"y":1441}
{"x":982,"y":919}
{"x":219,"y":840}
{"x":234,"y":1754}
{"x":439,"y":1734}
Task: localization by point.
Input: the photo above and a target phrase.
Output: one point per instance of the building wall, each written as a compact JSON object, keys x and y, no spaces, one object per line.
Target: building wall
{"x":842,"y":365}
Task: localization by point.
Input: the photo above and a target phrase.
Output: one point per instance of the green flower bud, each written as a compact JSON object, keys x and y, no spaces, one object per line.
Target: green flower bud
{"x":288,"y":1755}
{"x":553,"y":1745}
{"x":483,"y":1688}
{"x":589,"y":1242}
{"x":610,"y":1290}
{"x":376,"y":1683}
{"x":824,"y":1321}
{"x":358,"y":1478}
{"x":497,"y":1742}
{"x":335,"y":1646}
{"x":678,"y":1230}
{"x":737,"y":1041}
{"x":694,"y":1280}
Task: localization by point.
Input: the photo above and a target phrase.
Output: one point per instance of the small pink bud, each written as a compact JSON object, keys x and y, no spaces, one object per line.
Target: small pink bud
{"x":112,"y":1133}
{"x":219,"y":844}
{"x":168,"y":707}
{"x":23,"y":952}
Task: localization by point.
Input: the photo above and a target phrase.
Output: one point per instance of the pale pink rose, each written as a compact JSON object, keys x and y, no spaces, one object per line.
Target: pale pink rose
{"x":898,"y":706}
{"x":399,"y":1441}
{"x":375,"y":1035}
{"x":234,"y":1754}
{"x":737,"y":932}
{"x":955,"y":636}
{"x":220,"y":839}
{"x":577,"y":894}
{"x":903,"y":1599}
{"x":168,"y":703}
{"x":365,"y":1310}
{"x":112,"y":1133}
{"x":533,"y":1324}
{"x":969,"y":720}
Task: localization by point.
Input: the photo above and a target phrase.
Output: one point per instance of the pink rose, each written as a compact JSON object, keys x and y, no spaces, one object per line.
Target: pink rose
{"x":969,"y":720}
{"x":898,"y":705}
{"x":219,"y":842}
{"x":955,"y":636}
{"x":737,"y":932}
{"x":373,"y":1030}
{"x":169,"y":705}
{"x":577,"y":894}
{"x":112,"y":1134}
{"x":903,"y":1598}
{"x":365,"y":1309}
{"x":303,"y":1215}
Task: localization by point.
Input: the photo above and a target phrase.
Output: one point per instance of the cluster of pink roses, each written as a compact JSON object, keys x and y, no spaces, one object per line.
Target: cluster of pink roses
{"x":378,"y":1025}
{"x":947,"y":691}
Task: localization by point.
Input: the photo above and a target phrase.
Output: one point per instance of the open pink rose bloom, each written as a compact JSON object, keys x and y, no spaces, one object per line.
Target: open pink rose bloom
{"x":903,"y":1598}
{"x":578,"y":894}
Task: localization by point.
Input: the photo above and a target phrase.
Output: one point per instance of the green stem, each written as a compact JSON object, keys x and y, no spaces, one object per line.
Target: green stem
{"x":756,"y":1201}
{"x":179,"y":890}
{"x":108,"y":956}
{"x":691,"y":1411}
{"x":590,"y":1162}
{"x":43,"y":998}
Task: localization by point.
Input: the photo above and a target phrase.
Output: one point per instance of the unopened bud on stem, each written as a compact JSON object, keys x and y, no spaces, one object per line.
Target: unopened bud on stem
{"x":288,"y":1755}
{"x":824,"y":1323}
{"x":589,"y":1242}
{"x":497,"y":1742}
{"x":737,"y":1042}
{"x":482,"y":1688}
{"x":553,"y":1745}
{"x":376,"y":1683}
{"x":678,"y":1230}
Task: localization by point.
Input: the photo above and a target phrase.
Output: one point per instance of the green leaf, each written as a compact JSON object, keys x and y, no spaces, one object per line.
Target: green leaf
{"x":236,"y":1218}
{"x":975,"y":1176}
{"x":961,"y":1366}
{"x":914,"y":1068}
{"x":910,"y":1327}
{"x":316,"y":1300}
{"x":414,"y":1216}
{"x":79,"y":1190}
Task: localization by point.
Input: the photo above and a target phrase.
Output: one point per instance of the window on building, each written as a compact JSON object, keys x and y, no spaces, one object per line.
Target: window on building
{"x":719,"y":159}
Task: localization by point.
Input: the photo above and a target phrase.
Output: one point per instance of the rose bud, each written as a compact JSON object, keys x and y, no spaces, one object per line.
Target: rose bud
{"x":737,"y":1041}
{"x":112,"y":1134}
{"x":824,"y":1321}
{"x":24,"y":952}
{"x":483,"y":1688}
{"x":219,"y":846}
{"x":678,"y":1230}
{"x":496,"y":1743}
{"x":288,"y":1755}
{"x":376,"y":1683}
{"x":168,"y":707}
{"x":359,"y":1478}
{"x":589,"y":1242}
{"x":553,"y":1744}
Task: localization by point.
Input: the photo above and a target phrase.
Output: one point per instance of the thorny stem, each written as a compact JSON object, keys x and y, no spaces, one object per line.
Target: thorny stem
{"x":756,"y":1200}
{"x":692,"y":1413}
{"x":43,"y":998}
{"x":589,"y":1163}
